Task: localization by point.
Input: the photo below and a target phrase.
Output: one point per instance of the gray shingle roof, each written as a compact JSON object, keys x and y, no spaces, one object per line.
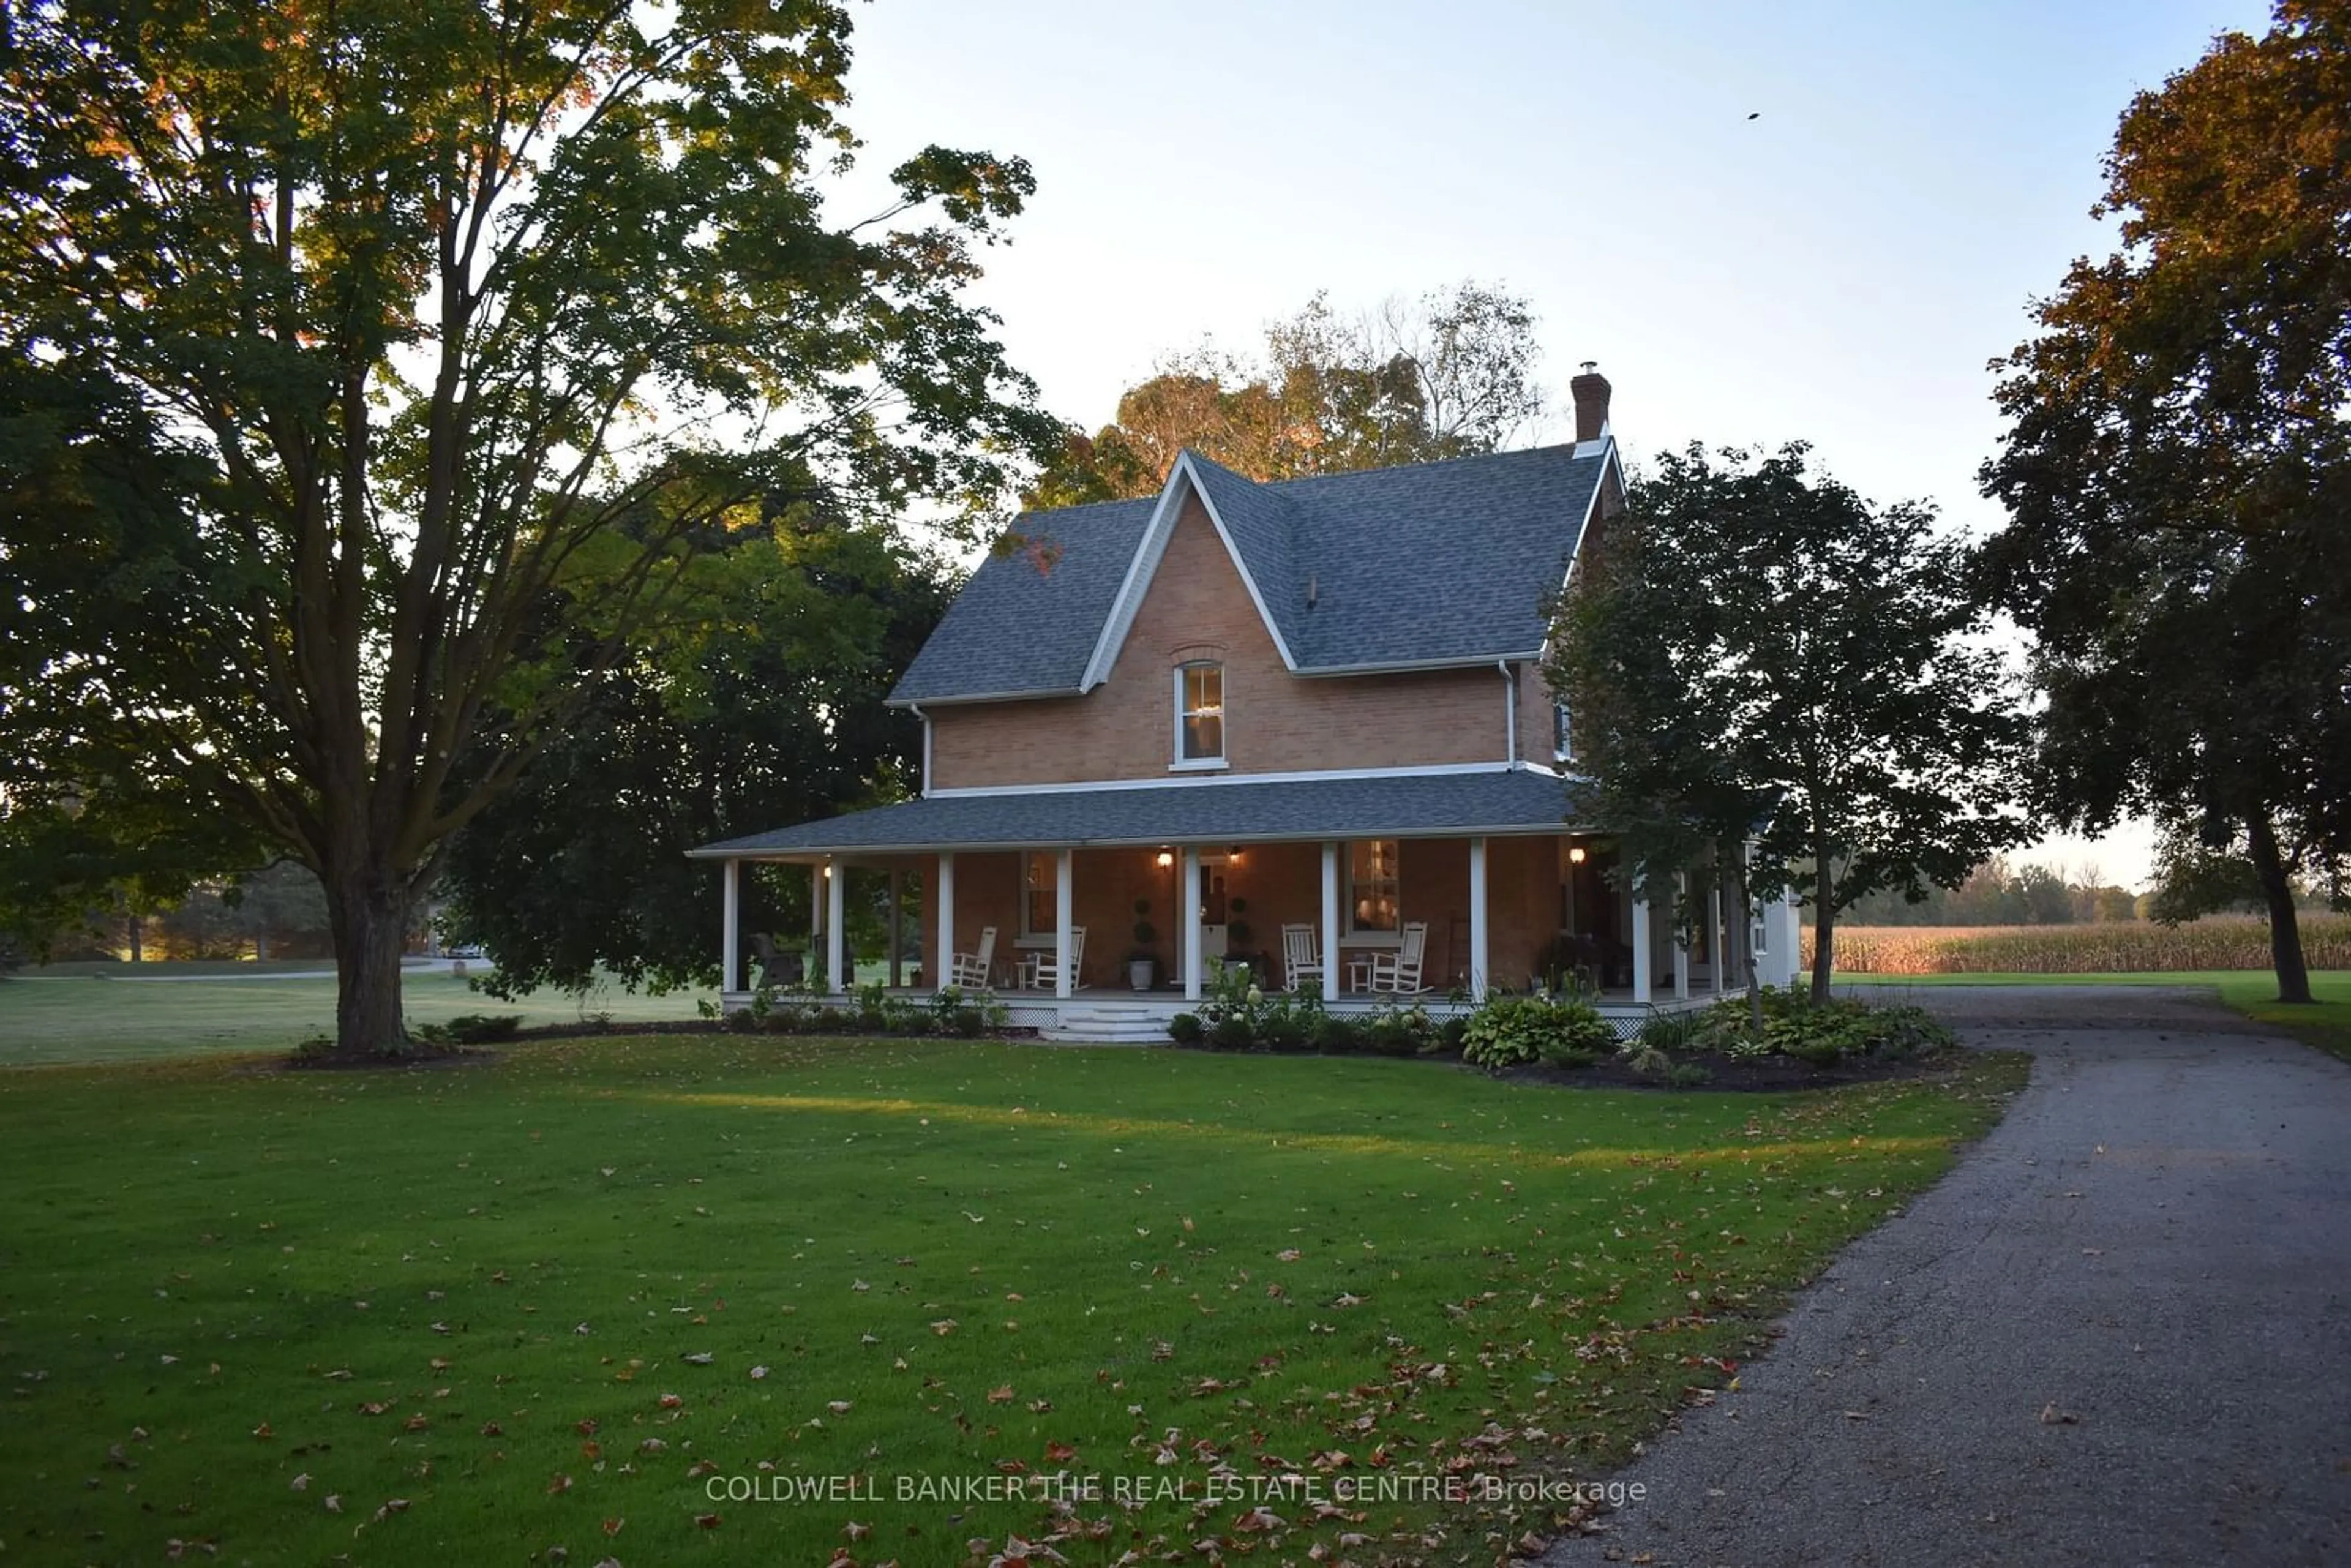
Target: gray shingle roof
{"x":1498,"y":801}
{"x":1439,"y":562}
{"x":1018,"y":631}
{"x":1433,"y":563}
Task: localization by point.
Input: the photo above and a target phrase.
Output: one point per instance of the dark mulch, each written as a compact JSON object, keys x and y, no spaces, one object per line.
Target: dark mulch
{"x":423,"y":1058}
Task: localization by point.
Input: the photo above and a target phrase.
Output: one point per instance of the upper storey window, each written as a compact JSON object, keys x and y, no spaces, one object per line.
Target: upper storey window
{"x":1200,"y":716}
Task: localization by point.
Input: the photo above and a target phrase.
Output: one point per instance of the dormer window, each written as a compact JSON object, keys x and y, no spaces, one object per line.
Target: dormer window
{"x":1200,"y":716}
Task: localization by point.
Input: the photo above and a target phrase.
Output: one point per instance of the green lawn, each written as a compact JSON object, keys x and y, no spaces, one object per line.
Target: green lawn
{"x":68,"y":1014}
{"x":565,"y":1298}
{"x":2326,"y":1023}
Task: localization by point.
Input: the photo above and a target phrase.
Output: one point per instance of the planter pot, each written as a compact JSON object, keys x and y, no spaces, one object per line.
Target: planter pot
{"x":1140,"y":973}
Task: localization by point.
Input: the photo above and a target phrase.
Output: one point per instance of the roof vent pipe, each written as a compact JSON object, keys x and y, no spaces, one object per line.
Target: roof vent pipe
{"x":1309,"y":590}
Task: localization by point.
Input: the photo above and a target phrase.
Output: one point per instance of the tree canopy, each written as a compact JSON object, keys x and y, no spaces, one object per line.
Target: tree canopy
{"x":374,"y":367}
{"x":1753,"y":654}
{"x":1448,"y":375}
{"x":2178,"y":473}
{"x":758,"y":702}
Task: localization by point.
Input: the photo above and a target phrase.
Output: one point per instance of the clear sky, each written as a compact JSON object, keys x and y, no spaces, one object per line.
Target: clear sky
{"x":1838,"y":269}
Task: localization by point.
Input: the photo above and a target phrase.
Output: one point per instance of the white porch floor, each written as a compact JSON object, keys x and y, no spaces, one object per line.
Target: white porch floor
{"x":1122,"y":1018}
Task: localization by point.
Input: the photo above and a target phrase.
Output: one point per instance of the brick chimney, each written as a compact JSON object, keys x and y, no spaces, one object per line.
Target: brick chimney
{"x":1590,"y":391}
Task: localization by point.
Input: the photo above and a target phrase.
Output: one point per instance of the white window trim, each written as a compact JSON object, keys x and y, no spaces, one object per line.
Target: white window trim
{"x":1348,"y":932}
{"x":1183,"y":764}
{"x":1562,"y":724}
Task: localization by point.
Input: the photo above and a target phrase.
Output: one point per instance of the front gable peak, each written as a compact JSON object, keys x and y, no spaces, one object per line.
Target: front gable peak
{"x":1251,"y":523}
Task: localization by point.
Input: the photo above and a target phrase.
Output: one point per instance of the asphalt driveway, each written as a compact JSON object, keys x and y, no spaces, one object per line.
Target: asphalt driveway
{"x":2118,"y":1333}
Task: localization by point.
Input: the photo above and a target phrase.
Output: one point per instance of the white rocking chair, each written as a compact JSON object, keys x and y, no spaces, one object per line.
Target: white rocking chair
{"x":970,"y":971}
{"x":1044,"y":972}
{"x":1399,"y":973}
{"x":1301,"y":968}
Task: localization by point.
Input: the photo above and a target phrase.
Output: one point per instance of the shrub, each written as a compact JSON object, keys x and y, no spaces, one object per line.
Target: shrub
{"x":481,"y":1029}
{"x":1687,"y":1075}
{"x":1232,"y":1032}
{"x":1672,"y":1032}
{"x":1822,"y":1033}
{"x":1284,"y":1027}
{"x":1185,"y":1029}
{"x":1509,"y":1030}
{"x":1399,"y":1031}
{"x":1333,"y":1035}
{"x":1648,"y":1060}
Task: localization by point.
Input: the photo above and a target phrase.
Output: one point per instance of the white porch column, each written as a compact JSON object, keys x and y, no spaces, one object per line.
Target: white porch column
{"x":816,"y":909}
{"x":836,"y":952}
{"x":1717,"y":938}
{"x":730,"y":940}
{"x":895,"y":876}
{"x":1641,"y":948}
{"x":943,"y":943}
{"x":1477,"y":934}
{"x":1681,"y":939}
{"x":1330,"y":920}
{"x":1064,"y":976}
{"x":1191,"y":939}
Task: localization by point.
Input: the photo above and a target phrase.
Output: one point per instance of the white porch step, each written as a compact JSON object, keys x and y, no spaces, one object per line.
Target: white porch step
{"x":1109,"y":1023}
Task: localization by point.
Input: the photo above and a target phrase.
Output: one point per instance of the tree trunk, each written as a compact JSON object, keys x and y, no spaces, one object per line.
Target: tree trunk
{"x":137,"y":921}
{"x":1743,"y":923}
{"x":2277,"y":892}
{"x":1823,"y":928}
{"x":369,"y":920}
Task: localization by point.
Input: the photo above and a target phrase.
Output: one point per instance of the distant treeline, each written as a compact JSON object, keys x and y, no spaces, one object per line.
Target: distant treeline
{"x":2003,"y":892}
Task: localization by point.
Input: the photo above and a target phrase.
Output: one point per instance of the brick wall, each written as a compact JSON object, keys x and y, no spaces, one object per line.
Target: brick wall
{"x":1198,"y":608}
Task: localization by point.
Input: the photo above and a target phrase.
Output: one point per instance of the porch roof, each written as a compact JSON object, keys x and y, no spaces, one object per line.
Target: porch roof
{"x":1496,"y":801}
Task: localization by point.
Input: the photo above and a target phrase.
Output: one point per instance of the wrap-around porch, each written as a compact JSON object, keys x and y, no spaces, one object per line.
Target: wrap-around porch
{"x":1360,"y":890}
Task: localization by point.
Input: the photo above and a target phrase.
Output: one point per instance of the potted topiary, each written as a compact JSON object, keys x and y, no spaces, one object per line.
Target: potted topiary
{"x":1238,"y":947}
{"x":1143,"y":963}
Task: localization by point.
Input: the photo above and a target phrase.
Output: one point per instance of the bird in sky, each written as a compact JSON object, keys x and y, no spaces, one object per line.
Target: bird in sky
{"x":1757,"y":115}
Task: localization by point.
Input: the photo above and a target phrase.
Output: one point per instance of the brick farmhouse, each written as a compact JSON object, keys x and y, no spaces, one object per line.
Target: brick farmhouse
{"x":1236,"y":707}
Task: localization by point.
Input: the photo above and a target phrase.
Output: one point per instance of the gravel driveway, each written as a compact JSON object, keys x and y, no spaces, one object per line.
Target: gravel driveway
{"x":2118,"y":1333}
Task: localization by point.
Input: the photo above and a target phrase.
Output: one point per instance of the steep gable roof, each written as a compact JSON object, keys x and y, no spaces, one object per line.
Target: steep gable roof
{"x":1019,"y":630}
{"x":1416,"y":566}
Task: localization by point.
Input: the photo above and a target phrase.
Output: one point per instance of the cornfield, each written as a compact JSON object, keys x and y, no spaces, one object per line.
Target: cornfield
{"x":2105,"y":947}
